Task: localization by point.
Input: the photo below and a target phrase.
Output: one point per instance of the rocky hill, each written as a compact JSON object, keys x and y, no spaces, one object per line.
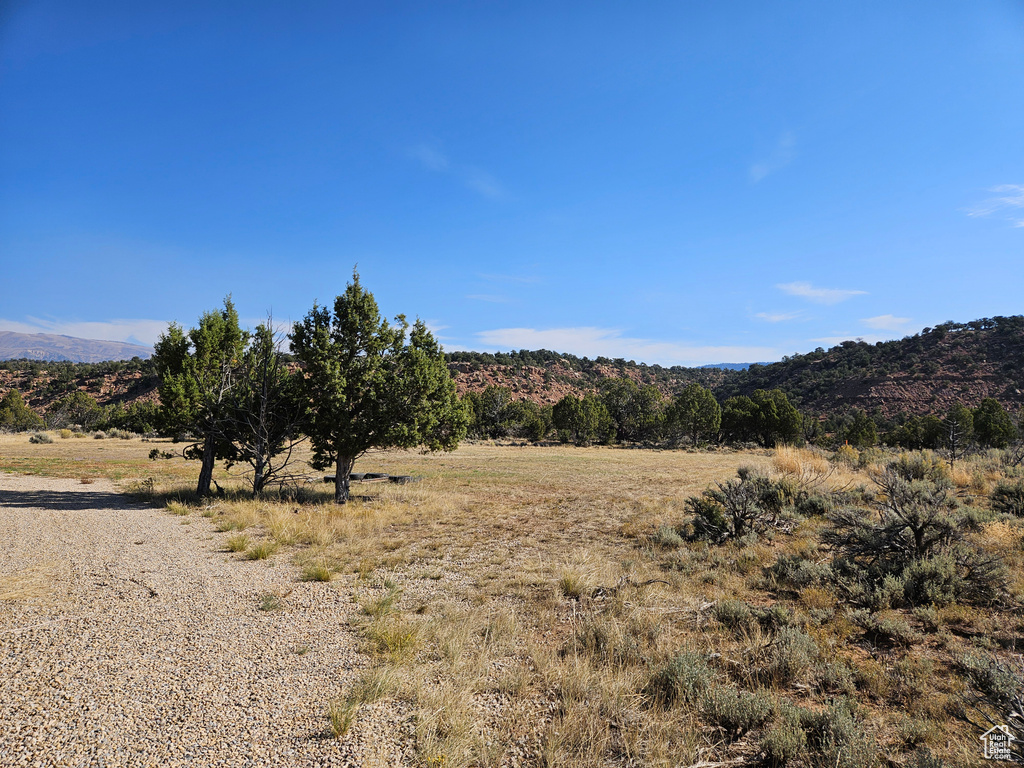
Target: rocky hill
{"x":546,"y":377}
{"x":919,"y":374}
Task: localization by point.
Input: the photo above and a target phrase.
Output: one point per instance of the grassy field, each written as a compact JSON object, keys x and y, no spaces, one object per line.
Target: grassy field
{"x":549,"y":606}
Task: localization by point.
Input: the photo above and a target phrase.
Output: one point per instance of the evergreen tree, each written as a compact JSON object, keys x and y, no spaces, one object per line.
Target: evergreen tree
{"x":861,"y":432}
{"x":78,"y":408}
{"x":777,"y":420}
{"x":583,"y":421}
{"x":264,"y":410}
{"x":993,"y":426}
{"x":695,"y":414}
{"x":635,"y":410}
{"x":368,"y":386}
{"x":739,"y":419}
{"x":15,"y":415}
{"x":197,"y":372}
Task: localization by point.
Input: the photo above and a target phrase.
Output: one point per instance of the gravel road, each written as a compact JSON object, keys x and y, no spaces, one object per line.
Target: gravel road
{"x":128,"y":637}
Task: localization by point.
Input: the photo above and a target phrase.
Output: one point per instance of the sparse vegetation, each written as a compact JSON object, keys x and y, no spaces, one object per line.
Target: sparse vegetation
{"x":261,"y":550}
{"x":789,"y":639}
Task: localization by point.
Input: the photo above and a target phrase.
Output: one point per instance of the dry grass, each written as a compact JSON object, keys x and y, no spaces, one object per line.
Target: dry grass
{"x":34,"y":583}
{"x":812,"y":470}
{"x":519,"y":605}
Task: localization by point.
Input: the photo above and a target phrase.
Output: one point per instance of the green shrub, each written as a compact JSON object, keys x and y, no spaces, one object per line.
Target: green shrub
{"x":934,"y":581}
{"x":999,"y":683}
{"x":686,"y":677}
{"x":869,"y":456}
{"x":40,"y":437}
{"x":835,"y":677}
{"x":736,"y":711}
{"x":785,"y":740}
{"x":668,"y":537}
{"x":708,"y":518}
{"x":1008,"y":497}
{"x":889,"y":594}
{"x":838,"y":740}
{"x":65,"y":434}
{"x":791,"y":655}
{"x":847,"y":454}
{"x":775,"y":617}
{"x":735,"y":614}
{"x":921,"y":465}
{"x":816,"y":505}
{"x":974,"y":518}
{"x":731,"y":510}
{"x":888,"y":630}
{"x":795,"y":572}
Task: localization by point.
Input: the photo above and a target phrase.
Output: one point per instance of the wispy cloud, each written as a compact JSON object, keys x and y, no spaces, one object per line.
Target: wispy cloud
{"x":818,"y":295}
{"x":609,"y":342}
{"x":130,"y":331}
{"x":489,"y":297}
{"x":780,"y":157}
{"x":474,"y":178}
{"x":482,"y":182}
{"x":887,"y":323}
{"x":1009,"y":202}
{"x":435,"y":327}
{"x":507,"y":278}
{"x":430,"y":158}
{"x":777,"y":317}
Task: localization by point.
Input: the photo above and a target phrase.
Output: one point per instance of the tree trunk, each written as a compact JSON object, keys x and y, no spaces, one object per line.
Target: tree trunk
{"x":341,"y":479}
{"x":206,"y":473}
{"x":259,"y":477}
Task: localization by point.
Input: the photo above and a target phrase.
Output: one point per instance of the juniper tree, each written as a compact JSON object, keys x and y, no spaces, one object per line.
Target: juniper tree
{"x":993,"y":426}
{"x":197,"y":371}
{"x":369,"y":384}
{"x":582,"y":420}
{"x":15,"y":415}
{"x":263,"y":414}
{"x":694,"y":413}
{"x":635,"y":410}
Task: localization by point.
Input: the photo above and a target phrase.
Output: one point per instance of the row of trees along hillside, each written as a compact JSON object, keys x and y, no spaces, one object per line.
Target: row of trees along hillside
{"x":622,"y":411}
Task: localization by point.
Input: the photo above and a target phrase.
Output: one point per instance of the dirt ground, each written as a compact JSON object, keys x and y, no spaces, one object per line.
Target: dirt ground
{"x":129,"y":637}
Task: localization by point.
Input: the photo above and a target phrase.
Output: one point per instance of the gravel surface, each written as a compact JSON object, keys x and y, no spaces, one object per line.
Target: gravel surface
{"x":129,"y":637}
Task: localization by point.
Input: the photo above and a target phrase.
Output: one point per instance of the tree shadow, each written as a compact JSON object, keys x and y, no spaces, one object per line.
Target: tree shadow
{"x":64,"y":500}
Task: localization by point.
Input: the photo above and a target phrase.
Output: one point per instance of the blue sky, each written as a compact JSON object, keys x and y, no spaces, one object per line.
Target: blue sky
{"x":670,"y":182}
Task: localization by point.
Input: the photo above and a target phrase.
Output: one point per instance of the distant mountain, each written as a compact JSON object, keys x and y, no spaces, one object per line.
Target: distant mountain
{"x":53,"y":348}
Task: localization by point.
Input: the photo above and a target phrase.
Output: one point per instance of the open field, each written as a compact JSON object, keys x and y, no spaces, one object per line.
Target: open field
{"x":539,"y":606}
